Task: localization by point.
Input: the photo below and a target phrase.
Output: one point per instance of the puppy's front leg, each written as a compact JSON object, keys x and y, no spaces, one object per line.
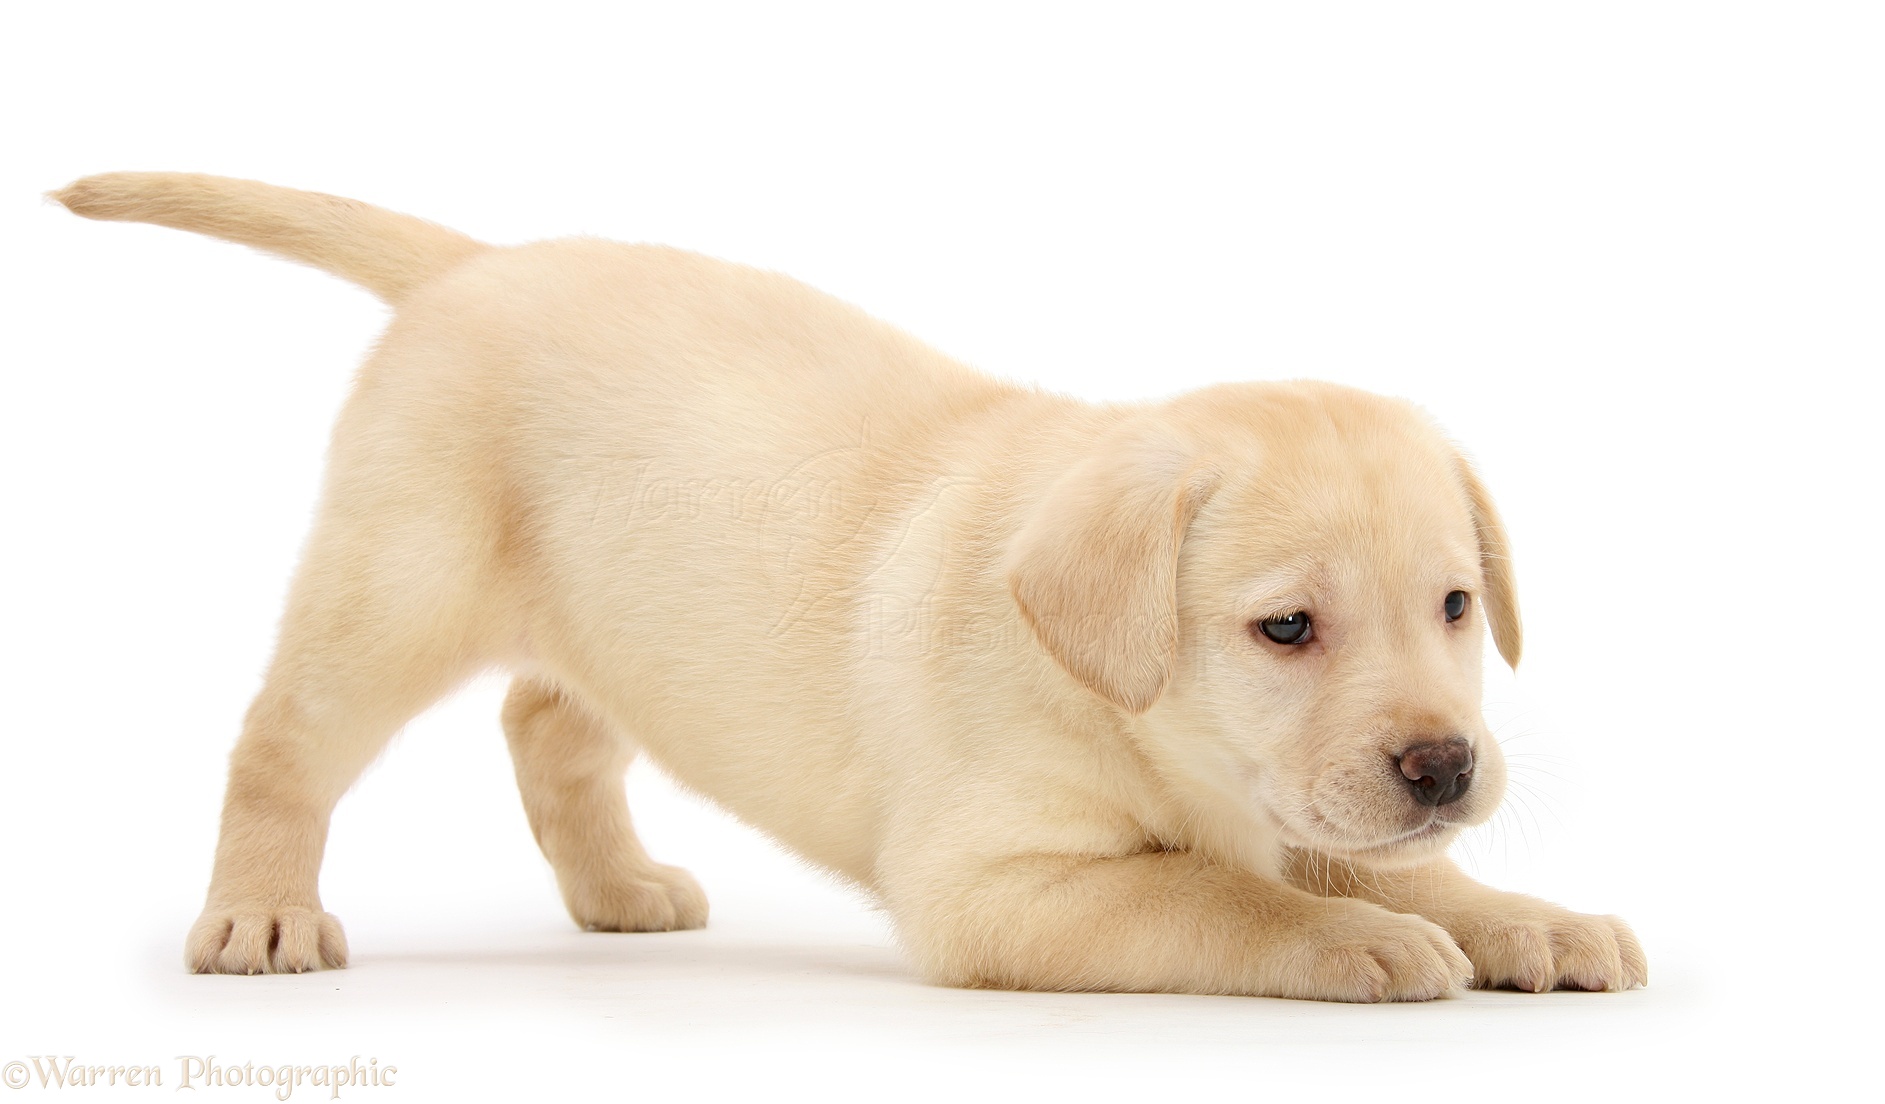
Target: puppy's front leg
{"x":1514,"y":941}
{"x":1163,"y":921}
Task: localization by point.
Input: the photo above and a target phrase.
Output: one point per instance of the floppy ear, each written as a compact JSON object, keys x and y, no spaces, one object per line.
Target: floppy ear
{"x":1495,"y":560}
{"x":1095,"y":569}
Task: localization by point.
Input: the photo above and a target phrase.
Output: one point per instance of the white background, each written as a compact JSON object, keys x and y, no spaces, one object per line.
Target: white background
{"x":1630,"y":254}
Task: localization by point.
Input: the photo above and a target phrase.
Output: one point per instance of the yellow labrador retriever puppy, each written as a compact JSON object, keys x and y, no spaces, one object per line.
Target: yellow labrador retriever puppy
{"x":1174,"y":697}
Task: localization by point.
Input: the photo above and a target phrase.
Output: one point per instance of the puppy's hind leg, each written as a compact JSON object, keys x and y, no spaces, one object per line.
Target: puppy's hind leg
{"x":570,"y":766}
{"x":390,"y":609}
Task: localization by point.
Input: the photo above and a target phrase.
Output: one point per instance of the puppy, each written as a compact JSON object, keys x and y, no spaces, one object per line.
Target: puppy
{"x":1178,"y":697}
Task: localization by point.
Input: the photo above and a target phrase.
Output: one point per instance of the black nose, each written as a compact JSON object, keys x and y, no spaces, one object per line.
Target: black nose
{"x":1439,"y":773}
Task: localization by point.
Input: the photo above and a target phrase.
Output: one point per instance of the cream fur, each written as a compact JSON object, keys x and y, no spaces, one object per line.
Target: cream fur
{"x":984,"y":651}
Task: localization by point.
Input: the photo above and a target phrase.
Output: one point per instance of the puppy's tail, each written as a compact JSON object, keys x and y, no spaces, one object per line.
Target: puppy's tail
{"x":389,"y":254}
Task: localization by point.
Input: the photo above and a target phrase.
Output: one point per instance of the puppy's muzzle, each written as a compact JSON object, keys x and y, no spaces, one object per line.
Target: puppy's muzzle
{"x":1438,"y":773}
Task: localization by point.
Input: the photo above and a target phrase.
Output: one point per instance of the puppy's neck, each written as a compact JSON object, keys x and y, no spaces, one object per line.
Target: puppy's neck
{"x":1203,"y":800}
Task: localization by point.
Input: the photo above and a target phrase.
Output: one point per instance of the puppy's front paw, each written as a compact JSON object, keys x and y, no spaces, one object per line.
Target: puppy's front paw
{"x":1358,"y":952}
{"x":662,"y":898}
{"x":238,"y":940}
{"x":1537,"y":947}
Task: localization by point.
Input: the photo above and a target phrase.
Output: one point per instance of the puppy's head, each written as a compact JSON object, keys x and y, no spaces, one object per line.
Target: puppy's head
{"x":1290,"y":584}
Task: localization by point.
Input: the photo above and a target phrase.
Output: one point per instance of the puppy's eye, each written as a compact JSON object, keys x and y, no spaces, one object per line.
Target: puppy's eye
{"x":1293,"y":629}
{"x":1456,"y":605}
